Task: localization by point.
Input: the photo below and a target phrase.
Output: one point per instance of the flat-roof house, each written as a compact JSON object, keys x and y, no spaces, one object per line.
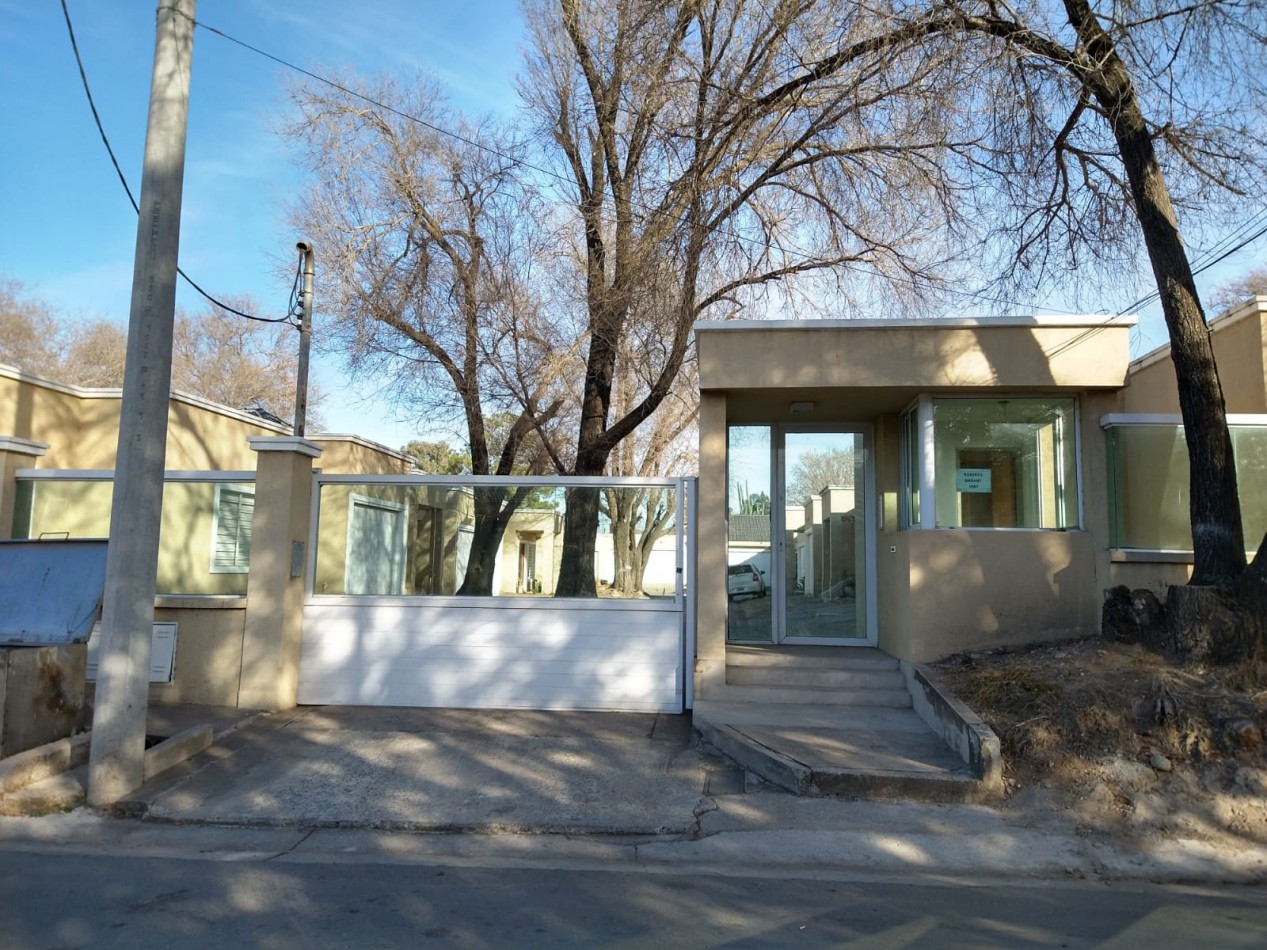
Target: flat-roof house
{"x":1002,"y":473}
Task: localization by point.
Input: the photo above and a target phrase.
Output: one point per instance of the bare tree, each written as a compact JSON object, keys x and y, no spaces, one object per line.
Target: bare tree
{"x":94,"y":356}
{"x":241,"y":363}
{"x":815,"y":469}
{"x":1122,"y":114}
{"x":215,"y":354}
{"x":714,"y":142}
{"x":429,"y":236}
{"x":1232,"y":293}
{"x":29,"y":332}
{"x":665,"y":445}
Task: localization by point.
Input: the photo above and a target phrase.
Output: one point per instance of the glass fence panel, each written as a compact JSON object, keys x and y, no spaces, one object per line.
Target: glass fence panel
{"x":204,"y":537}
{"x":494,"y":540}
{"x":1150,"y":485}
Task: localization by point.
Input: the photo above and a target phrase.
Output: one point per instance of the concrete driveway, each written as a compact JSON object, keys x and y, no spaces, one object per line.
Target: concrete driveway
{"x":443,"y":770}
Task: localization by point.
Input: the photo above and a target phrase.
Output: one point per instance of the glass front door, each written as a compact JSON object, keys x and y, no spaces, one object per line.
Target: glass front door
{"x":825,"y":537}
{"x":800,"y":535}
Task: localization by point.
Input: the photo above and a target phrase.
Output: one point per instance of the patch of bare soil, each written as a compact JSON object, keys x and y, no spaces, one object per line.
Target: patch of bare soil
{"x":1121,"y":740}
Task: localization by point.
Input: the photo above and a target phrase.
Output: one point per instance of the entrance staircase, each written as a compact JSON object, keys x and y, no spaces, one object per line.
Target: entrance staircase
{"x":837,"y":721}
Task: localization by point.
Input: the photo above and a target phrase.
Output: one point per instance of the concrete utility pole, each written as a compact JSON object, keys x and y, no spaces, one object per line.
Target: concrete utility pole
{"x":305,"y":338}
{"x":117,"y":759}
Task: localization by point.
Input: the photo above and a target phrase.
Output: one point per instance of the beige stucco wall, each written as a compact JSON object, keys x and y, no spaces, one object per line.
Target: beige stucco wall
{"x":351,"y":455}
{"x":978,"y":589}
{"x":1150,"y":575}
{"x":208,"y":650}
{"x":869,"y":354}
{"x":81,"y":426}
{"x":1240,"y":351}
{"x":710,"y":533}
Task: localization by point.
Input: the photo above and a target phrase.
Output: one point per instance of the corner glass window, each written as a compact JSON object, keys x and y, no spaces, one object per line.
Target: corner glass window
{"x":1005,"y":463}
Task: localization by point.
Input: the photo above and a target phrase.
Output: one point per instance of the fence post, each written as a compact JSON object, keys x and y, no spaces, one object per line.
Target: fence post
{"x":275,"y":584}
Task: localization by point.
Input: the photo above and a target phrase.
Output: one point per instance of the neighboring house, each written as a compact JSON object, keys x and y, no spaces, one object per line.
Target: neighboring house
{"x":312,"y":568}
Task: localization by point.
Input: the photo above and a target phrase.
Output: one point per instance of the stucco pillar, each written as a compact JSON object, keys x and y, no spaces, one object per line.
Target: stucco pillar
{"x":710,"y":585}
{"x":15,"y":453}
{"x":275,"y":585}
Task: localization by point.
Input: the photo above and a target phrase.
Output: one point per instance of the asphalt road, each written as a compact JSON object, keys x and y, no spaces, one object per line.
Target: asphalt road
{"x":56,"y":899}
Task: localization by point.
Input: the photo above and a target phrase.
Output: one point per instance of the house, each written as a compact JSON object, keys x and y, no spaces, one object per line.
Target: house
{"x":1007,"y":471}
{"x":57,"y":447}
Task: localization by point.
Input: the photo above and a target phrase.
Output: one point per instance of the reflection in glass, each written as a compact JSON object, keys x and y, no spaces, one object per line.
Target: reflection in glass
{"x":825,"y":536}
{"x":748,"y":524}
{"x":1005,"y":463}
{"x":1149,"y":479}
{"x":487,"y":540}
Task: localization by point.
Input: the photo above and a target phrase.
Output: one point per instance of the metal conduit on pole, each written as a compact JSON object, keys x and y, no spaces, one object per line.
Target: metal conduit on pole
{"x":305,"y":337}
{"x":117,"y":758}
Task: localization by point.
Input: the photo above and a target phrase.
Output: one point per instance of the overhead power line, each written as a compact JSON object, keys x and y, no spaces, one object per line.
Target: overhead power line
{"x":96,"y":117}
{"x":789,"y":250}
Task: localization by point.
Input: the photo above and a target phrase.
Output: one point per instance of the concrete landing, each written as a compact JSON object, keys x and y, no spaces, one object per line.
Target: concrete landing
{"x":847,"y":752}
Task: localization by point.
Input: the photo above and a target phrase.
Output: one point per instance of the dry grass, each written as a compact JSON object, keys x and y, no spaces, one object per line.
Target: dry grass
{"x":1085,"y":722}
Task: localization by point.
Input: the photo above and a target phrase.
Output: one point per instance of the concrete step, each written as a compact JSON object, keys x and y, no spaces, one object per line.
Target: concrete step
{"x":830,"y":696}
{"x":835,"y":658}
{"x":813,"y":750}
{"x":814,"y":677}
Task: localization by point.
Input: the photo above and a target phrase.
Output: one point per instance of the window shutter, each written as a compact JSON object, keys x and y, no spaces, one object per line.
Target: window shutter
{"x":235,"y":516}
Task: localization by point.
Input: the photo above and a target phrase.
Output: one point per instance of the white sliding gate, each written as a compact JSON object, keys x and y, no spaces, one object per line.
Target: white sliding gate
{"x":423,"y":644}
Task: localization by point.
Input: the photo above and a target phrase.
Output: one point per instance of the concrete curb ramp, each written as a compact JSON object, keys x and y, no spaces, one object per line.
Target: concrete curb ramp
{"x":40,"y":779}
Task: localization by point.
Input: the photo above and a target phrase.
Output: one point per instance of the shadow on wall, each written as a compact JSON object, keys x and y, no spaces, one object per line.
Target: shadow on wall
{"x":979,"y":589}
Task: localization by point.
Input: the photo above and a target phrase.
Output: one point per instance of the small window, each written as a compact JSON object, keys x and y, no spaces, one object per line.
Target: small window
{"x":231,"y":531}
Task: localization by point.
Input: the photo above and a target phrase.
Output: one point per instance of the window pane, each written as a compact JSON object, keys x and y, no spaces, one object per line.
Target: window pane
{"x":490,"y":540}
{"x":188,"y":538}
{"x":1005,"y":463}
{"x":748,"y":525}
{"x":912,"y":468}
{"x":1150,"y":485}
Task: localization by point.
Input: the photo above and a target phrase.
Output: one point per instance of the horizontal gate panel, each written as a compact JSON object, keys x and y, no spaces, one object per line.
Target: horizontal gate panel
{"x":492,"y":657}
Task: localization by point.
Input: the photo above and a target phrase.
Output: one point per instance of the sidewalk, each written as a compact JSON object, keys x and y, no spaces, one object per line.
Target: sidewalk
{"x":430,"y":785}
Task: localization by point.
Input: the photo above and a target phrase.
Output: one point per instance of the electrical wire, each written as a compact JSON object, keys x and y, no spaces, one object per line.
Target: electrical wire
{"x":1205,"y":265}
{"x":789,"y":250}
{"x":96,"y":116}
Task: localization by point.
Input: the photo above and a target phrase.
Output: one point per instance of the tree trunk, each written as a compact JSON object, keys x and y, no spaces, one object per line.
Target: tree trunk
{"x":1217,"y":535}
{"x":580,"y":534}
{"x":493,"y":508}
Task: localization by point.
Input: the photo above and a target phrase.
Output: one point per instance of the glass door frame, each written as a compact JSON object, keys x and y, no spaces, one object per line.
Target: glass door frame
{"x":778,"y":547}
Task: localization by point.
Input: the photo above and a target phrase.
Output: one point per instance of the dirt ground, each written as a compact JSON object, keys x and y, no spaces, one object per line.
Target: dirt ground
{"x":1122,"y":741}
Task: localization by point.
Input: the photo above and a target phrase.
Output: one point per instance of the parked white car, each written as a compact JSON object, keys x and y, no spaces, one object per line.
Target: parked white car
{"x":744,"y":579}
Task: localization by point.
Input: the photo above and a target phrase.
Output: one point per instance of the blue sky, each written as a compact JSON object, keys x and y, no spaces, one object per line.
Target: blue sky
{"x":69,"y":231}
